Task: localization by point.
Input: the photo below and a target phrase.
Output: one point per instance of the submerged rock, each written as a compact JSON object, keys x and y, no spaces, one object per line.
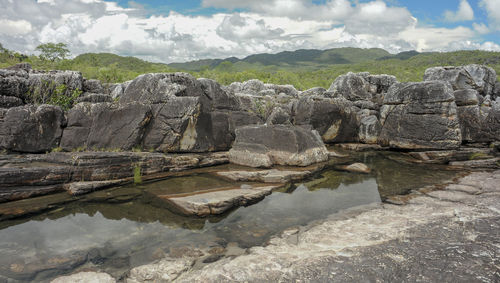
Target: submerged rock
{"x":357,"y":167}
{"x":267,"y":145}
{"x":85,"y":277}
{"x":218,"y":202}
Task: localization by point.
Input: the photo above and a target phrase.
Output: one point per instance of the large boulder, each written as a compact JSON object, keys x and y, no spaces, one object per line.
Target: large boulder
{"x":106,"y":126}
{"x":189,"y":114}
{"x":420,"y":116}
{"x":268,"y":145}
{"x":477,"y":77}
{"x":334,"y":119}
{"x":31,"y":128}
{"x":173,"y":125}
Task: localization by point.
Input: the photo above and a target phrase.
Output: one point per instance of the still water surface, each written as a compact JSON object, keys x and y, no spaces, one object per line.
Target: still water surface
{"x":114,"y":236}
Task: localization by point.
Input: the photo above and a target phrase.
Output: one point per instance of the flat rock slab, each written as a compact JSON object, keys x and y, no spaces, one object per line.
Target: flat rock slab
{"x":79,"y":188}
{"x":217,"y":202}
{"x":265,"y":176}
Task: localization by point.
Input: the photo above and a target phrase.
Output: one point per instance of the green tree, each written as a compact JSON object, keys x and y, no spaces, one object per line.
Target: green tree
{"x":53,"y":51}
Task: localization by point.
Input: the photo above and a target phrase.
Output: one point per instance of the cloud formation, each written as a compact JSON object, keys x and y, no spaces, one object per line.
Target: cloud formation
{"x":492,"y":7}
{"x":247,"y":27}
{"x":464,"y":13}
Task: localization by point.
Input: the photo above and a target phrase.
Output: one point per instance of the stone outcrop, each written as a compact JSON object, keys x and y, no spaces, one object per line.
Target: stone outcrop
{"x":106,"y":126}
{"x":474,"y":87}
{"x":420,"y":116}
{"x":477,"y":77}
{"x":35,"y":129}
{"x":13,"y":84}
{"x":267,"y":145}
{"x":178,"y":113}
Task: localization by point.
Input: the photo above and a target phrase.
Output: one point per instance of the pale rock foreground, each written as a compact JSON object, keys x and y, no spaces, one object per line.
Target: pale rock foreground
{"x":446,"y":235}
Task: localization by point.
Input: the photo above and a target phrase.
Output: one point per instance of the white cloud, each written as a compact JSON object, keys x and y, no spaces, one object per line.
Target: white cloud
{"x":268,"y":26}
{"x":481,"y":28}
{"x":464,"y":13}
{"x":14,"y":28}
{"x":492,"y":7}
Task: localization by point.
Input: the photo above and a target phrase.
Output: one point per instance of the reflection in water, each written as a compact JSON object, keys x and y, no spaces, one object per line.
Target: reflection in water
{"x":117,"y":229}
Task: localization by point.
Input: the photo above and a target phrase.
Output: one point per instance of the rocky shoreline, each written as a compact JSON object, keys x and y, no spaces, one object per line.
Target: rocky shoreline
{"x":448,"y":234}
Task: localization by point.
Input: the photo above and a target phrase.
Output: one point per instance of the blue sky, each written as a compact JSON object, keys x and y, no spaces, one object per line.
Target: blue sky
{"x":173,"y":31}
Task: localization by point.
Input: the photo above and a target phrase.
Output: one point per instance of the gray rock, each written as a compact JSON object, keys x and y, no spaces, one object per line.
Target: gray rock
{"x":158,"y":88}
{"x":420,"y":116}
{"x":361,"y":86}
{"x":85,"y":277}
{"x":278,"y":117}
{"x":106,"y":126}
{"x":334,"y":119}
{"x":478,"y":77}
{"x":288,"y":90}
{"x":80,"y":188}
{"x":356,"y":167}
{"x":266,"y":145}
{"x":218,"y":202}
{"x":369,"y":129}
{"x":13,"y":83}
{"x":172,"y":128}
{"x":94,"y":98}
{"x":31,"y":128}
{"x":10,"y":101}
{"x":352,"y":87}
{"x":117,"y":90}
{"x":248,"y":87}
{"x":215,"y":97}
{"x":464,"y":97}
{"x":265,"y":176}
{"x":315,"y":91}
{"x":93,"y":86}
{"x":166,"y":270}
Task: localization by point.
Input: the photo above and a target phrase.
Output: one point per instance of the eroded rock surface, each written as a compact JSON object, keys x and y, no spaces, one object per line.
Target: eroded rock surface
{"x":420,"y":116}
{"x":263,"y":146}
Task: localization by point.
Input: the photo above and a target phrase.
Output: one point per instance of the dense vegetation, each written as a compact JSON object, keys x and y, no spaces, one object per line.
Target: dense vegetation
{"x":303,"y":68}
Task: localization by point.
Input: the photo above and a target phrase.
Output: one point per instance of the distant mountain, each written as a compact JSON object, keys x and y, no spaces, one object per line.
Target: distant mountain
{"x":303,"y":58}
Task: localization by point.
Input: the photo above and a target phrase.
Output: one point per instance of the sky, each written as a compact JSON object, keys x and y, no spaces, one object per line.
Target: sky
{"x":179,"y":31}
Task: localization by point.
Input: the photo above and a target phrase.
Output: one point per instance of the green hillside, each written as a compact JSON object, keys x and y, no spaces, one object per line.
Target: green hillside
{"x":302,"y":68}
{"x":305,"y":59}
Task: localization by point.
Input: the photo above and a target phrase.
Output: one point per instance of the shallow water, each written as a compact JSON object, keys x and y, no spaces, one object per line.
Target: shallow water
{"x":119,"y":228}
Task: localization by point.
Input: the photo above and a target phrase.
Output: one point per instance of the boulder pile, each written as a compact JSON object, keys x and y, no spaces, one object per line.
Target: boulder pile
{"x":179,"y":113}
